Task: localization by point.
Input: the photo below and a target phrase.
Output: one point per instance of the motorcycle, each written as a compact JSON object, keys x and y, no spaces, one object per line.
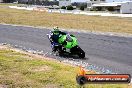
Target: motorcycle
{"x":72,"y":48}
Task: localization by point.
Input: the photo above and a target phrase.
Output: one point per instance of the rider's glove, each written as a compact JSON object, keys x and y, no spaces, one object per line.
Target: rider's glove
{"x":64,"y":43}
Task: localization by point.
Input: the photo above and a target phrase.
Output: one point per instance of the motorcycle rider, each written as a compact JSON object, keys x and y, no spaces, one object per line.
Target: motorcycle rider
{"x":56,"y":35}
{"x":62,"y":42}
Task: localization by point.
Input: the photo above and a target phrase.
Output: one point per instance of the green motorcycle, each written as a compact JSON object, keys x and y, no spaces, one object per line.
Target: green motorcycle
{"x":67,"y":44}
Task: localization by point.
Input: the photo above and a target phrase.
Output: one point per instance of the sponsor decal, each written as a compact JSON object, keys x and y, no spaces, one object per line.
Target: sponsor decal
{"x":83,"y":78}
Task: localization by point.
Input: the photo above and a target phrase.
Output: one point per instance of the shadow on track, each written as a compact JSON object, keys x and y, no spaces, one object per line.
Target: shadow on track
{"x":66,"y":55}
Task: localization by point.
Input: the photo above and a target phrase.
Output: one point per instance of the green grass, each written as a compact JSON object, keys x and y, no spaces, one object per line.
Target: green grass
{"x":67,"y":21}
{"x":17,"y":71}
{"x":24,"y":71}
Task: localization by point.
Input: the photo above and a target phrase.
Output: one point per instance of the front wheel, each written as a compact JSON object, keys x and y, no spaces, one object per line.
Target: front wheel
{"x":77,"y":50}
{"x":81,"y":54}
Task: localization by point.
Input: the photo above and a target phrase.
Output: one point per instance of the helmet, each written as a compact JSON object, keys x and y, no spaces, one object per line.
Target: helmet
{"x":68,"y":38}
{"x":56,"y":30}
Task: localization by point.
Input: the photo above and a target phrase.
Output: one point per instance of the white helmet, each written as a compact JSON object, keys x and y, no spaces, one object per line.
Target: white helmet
{"x":68,"y":38}
{"x":56,"y":28}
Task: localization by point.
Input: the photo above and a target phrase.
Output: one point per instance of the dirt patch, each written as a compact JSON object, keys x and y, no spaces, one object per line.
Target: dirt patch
{"x":51,"y":86}
{"x":3,"y":47}
{"x":28,"y":57}
{"x":31,"y":55}
{"x":41,"y":69}
{"x":3,"y":86}
{"x":28,"y":54}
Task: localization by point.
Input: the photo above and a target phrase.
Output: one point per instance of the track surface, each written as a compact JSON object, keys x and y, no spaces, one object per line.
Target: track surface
{"x":111,"y":52}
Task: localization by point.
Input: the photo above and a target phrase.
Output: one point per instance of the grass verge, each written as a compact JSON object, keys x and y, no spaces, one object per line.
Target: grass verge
{"x":26,"y":70}
{"x":68,"y":21}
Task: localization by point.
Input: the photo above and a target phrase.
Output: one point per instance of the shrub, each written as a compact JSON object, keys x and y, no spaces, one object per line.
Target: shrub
{"x":70,"y":7}
{"x":110,"y":9}
{"x":93,"y":9}
{"x":82,"y":7}
{"x":63,"y":7}
{"x":98,"y":8}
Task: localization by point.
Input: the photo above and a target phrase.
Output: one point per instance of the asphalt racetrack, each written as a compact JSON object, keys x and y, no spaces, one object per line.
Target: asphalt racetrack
{"x":110,"y":52}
